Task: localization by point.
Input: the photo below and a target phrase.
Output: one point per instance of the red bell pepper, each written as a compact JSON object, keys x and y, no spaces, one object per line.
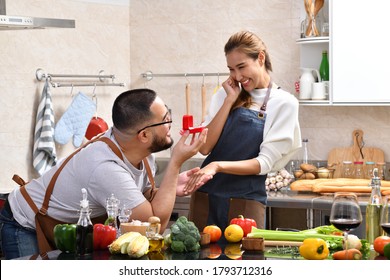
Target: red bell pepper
{"x":103,"y":235}
{"x":245,"y":223}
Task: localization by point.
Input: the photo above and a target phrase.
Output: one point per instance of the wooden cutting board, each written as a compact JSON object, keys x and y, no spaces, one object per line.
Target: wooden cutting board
{"x":357,"y":152}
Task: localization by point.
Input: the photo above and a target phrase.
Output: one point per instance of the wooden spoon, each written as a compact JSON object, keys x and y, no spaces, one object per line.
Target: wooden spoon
{"x":318,"y":5}
{"x":203,"y":102}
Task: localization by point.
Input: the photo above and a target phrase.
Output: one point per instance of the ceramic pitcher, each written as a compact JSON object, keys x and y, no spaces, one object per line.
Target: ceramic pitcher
{"x":306,"y":81}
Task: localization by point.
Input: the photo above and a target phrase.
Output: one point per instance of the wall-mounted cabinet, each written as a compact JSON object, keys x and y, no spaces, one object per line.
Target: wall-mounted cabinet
{"x":358,"y":54}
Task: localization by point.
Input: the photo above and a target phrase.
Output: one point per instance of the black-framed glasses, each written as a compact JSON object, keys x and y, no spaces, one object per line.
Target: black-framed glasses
{"x":152,"y":125}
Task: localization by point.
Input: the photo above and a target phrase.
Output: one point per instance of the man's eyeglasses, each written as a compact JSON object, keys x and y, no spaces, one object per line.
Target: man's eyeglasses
{"x":156,"y":124}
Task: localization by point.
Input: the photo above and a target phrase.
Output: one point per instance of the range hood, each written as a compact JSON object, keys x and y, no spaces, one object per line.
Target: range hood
{"x":26,"y":22}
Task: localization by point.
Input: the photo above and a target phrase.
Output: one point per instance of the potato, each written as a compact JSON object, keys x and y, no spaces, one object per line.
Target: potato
{"x":298,"y":173}
{"x":308,"y":167}
{"x":307,"y":175}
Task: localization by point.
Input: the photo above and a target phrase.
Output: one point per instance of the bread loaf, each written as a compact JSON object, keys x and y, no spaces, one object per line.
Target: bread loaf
{"x":358,"y":189}
{"x":331,"y":185}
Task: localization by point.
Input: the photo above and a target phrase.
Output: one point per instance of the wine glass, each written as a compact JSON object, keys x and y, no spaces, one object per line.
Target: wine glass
{"x":345,"y":213}
{"x":124,"y":216}
{"x":385,"y":215}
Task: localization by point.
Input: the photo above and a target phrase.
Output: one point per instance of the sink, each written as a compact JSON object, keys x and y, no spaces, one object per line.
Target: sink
{"x":163,"y":162}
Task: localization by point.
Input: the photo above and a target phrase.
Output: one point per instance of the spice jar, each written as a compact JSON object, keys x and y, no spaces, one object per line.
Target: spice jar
{"x":369,"y":168}
{"x":381,"y":170}
{"x":358,"y":170}
{"x":347,"y":169}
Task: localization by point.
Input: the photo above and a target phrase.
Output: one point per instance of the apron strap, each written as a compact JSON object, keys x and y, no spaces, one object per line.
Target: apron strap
{"x":263,"y":107}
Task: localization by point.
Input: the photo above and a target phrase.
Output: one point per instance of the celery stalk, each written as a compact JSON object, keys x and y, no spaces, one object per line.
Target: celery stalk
{"x":290,"y":235}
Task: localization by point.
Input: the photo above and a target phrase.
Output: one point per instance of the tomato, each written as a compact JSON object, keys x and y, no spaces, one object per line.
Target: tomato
{"x":380,"y":242}
{"x":214,"y":231}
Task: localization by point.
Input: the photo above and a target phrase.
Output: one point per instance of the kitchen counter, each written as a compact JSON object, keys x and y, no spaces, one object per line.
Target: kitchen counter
{"x":291,"y":209}
{"x":316,"y":207}
{"x":220,"y":251}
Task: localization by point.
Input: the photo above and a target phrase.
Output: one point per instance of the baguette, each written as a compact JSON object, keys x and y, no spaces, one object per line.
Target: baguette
{"x":304,"y":184}
{"x":358,"y":189}
{"x":350,"y":182}
{"x":385,"y":192}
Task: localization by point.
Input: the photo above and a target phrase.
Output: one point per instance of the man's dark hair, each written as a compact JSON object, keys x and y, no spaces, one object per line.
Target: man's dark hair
{"x":132,"y":108}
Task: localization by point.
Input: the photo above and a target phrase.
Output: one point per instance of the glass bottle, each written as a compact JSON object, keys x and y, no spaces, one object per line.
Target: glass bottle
{"x":305,"y":151}
{"x":347,"y":169}
{"x":112,"y":208}
{"x":358,"y":170}
{"x":84,"y":228}
{"x":324,"y":66}
{"x":369,"y":169}
{"x":373,"y":210}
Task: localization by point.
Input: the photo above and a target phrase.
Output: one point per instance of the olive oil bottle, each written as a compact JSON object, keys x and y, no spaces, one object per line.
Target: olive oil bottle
{"x":373,"y":210}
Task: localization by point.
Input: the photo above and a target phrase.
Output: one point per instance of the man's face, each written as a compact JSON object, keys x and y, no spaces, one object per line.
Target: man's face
{"x":160,"y":143}
{"x":162,"y":139}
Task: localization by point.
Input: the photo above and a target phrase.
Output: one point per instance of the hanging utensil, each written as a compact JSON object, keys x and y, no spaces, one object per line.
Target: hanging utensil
{"x":97,"y":125}
{"x":203,"y":93}
{"x":188,"y":119}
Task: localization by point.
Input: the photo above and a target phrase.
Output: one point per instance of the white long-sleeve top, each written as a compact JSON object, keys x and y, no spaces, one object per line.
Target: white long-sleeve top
{"x":282,"y":134}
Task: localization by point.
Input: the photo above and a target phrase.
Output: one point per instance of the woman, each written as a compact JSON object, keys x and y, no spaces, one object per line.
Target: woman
{"x":253,"y":129}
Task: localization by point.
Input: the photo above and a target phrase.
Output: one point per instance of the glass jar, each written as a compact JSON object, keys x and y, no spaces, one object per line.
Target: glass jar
{"x":358,"y":170}
{"x":369,"y":168}
{"x":347,"y":171}
{"x":381,"y":170}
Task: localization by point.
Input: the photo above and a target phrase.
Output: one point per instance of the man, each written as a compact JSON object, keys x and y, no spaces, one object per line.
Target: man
{"x":141,"y":127}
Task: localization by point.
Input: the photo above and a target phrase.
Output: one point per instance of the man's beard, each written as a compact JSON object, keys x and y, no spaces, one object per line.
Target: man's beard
{"x":160,"y":144}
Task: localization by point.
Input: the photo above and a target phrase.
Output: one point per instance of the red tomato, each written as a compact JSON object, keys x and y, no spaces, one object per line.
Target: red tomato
{"x":380,"y":242}
{"x":245,"y":223}
{"x":214,"y":231}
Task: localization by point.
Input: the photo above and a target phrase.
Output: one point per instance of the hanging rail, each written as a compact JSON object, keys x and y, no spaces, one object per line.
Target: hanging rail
{"x":40,"y":74}
{"x":148,"y":75}
{"x":87,"y":85}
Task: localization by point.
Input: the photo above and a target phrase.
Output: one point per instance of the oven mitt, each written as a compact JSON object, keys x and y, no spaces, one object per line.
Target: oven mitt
{"x":75,"y":120}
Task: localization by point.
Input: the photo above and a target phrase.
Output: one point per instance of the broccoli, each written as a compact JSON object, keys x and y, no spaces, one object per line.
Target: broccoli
{"x":178,"y":246}
{"x":185,"y":236}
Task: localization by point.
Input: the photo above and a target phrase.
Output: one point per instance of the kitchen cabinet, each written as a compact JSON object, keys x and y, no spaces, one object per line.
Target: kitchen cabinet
{"x":357,"y":51}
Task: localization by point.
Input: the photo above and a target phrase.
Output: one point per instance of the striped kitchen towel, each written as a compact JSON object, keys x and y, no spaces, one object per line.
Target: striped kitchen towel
{"x":44,"y":151}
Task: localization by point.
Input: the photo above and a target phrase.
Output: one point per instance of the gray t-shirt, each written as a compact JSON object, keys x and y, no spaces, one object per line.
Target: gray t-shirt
{"x":95,"y":168}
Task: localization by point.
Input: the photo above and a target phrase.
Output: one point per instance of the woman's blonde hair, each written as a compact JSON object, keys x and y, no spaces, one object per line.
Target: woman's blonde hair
{"x":251,"y":45}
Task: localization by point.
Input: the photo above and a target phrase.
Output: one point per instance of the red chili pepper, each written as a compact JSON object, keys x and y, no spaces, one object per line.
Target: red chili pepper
{"x":103,"y":235}
{"x":245,"y":223}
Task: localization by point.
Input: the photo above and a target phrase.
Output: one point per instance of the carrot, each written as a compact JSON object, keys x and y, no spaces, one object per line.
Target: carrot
{"x":350,"y":254}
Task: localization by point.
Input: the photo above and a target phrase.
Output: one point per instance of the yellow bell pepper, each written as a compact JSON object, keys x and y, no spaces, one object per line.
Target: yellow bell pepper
{"x":314,"y":249}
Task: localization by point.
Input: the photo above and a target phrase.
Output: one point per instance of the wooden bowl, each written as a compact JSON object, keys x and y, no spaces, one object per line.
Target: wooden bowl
{"x":252,"y":244}
{"x":127,"y":227}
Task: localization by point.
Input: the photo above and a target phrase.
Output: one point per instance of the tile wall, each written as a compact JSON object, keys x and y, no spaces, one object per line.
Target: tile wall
{"x":129,"y":37}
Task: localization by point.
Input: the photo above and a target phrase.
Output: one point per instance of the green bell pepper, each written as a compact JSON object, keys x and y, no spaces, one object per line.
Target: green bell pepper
{"x":65,"y":237}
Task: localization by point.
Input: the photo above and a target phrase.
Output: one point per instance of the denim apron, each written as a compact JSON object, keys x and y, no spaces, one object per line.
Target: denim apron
{"x":240,"y":140}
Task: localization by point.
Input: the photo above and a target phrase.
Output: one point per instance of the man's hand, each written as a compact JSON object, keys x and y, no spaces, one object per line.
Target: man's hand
{"x":183,"y":151}
{"x":184,"y":178}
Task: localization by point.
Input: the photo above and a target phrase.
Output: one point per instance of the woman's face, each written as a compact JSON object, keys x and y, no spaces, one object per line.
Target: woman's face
{"x":246,"y":70}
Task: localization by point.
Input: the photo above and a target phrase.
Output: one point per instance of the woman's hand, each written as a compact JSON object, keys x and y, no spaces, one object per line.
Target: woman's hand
{"x":232,"y":89}
{"x":184,"y":178}
{"x":199,"y":178}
